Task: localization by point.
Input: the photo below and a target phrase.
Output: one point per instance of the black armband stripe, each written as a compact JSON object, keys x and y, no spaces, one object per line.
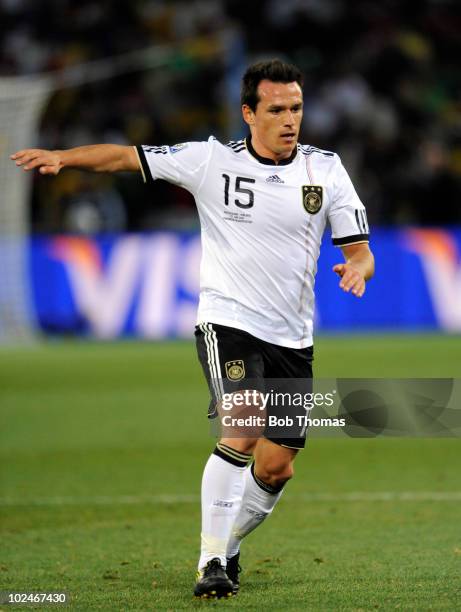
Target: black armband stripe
{"x":351,"y":239}
{"x":145,"y":166}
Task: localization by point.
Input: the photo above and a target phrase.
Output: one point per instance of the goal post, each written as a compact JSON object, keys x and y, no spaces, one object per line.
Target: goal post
{"x":21,"y":104}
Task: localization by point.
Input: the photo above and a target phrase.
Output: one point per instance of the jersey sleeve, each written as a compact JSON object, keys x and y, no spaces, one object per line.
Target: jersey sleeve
{"x":183,"y":164}
{"x":347,"y":215}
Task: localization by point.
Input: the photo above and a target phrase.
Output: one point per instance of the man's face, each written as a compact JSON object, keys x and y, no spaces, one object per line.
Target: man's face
{"x":276,"y":122}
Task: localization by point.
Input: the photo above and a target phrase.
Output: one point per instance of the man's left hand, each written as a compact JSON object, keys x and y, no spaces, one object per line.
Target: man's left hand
{"x":351,"y":279}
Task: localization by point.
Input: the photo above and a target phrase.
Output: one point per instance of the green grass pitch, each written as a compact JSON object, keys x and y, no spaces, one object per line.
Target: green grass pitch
{"x":101,"y":452}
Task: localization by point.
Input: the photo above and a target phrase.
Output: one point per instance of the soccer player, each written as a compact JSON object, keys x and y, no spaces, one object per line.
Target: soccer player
{"x":263,"y":204}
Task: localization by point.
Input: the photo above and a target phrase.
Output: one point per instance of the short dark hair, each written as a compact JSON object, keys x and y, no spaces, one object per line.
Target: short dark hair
{"x":274,"y":70}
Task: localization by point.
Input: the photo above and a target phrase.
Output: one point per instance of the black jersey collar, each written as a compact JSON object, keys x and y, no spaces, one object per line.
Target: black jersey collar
{"x":267,"y":160}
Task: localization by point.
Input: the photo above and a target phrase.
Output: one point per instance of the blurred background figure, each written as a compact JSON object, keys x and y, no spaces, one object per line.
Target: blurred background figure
{"x":382,"y":89}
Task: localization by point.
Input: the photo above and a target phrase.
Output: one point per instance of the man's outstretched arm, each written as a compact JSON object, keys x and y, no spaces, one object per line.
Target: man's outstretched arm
{"x":358,"y":268}
{"x":96,"y":158}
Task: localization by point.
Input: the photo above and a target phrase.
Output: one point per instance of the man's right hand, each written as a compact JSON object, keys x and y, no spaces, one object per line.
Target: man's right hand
{"x":47,"y":162}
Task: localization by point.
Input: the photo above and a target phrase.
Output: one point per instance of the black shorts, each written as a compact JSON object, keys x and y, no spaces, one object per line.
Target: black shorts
{"x":234,"y":360}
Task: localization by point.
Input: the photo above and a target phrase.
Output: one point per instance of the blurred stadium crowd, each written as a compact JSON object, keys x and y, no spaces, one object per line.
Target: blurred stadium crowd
{"x":383,"y":89}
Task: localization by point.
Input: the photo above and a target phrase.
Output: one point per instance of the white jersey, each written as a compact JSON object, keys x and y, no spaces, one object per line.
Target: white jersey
{"x":261,"y":228}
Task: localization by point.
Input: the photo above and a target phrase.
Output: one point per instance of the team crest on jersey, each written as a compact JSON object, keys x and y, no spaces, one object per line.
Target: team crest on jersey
{"x":312,"y":198}
{"x":235,"y":370}
{"x":178,"y":147}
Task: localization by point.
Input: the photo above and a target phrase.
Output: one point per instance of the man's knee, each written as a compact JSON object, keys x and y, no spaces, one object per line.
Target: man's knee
{"x":275,"y":472}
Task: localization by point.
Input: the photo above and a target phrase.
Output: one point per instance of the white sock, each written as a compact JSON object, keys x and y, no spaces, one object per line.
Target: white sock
{"x":257,"y":504}
{"x":222,"y":490}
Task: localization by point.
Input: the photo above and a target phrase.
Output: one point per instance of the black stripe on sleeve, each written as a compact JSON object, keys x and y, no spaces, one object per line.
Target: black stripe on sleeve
{"x":145,"y":165}
{"x":365,"y":222}
{"x":357,"y":219}
{"x":351,"y":239}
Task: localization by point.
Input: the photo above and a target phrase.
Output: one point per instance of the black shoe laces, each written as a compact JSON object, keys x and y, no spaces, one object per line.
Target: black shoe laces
{"x":213,"y":568}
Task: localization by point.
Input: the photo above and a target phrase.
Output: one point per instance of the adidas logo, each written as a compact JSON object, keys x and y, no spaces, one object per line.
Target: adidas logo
{"x":274,"y":179}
